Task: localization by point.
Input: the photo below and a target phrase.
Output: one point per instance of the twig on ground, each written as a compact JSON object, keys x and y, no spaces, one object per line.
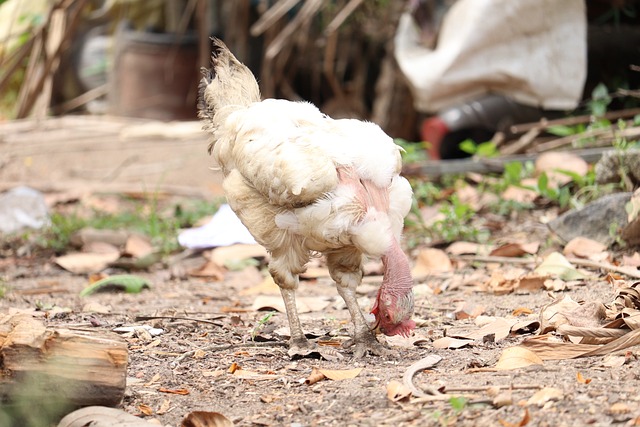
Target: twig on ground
{"x":192,"y":319}
{"x":628,"y":271}
{"x":227,"y":347}
{"x":570,"y":121}
{"x":470,"y":389}
{"x":431,"y":393}
{"x":491,"y":258}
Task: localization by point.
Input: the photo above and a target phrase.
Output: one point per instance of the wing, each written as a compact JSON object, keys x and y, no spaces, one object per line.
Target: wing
{"x":275,"y":145}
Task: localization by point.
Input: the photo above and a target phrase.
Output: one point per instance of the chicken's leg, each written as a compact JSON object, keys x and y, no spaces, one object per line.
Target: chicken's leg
{"x":346,"y":270}
{"x":299,"y":345}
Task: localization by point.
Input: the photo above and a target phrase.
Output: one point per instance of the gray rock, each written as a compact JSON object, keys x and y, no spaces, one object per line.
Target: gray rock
{"x":22,"y":207}
{"x":608,"y":169}
{"x":594,"y":220}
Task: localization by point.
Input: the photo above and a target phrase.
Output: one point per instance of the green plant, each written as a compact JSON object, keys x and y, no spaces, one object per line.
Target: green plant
{"x":483,"y":149}
{"x":61,"y":228}
{"x":413,"y":151}
{"x":426,"y":192}
{"x":261,"y":324}
{"x":559,"y":195}
{"x":456,"y":223}
{"x":600,"y":100}
{"x":4,"y":287}
{"x":146,"y":217}
{"x":458,"y":404}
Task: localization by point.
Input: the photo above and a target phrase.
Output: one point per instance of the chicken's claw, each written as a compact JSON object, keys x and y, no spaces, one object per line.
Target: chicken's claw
{"x":367,"y":342}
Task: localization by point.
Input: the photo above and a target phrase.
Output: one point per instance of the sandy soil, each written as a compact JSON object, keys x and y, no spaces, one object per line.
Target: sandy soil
{"x":202,"y":314}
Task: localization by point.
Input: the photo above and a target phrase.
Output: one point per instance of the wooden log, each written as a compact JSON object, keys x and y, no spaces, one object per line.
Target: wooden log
{"x":77,"y":368}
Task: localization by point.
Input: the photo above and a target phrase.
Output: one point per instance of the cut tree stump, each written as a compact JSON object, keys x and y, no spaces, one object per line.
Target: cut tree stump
{"x":79,"y":368}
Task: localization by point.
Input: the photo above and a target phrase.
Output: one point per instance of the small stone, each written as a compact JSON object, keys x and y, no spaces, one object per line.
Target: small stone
{"x":619,"y":408}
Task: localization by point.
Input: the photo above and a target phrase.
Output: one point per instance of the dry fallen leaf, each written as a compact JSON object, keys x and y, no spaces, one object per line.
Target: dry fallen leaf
{"x":266,"y":287}
{"x":613,"y":361}
{"x":551,"y":316}
{"x":517,"y":357}
{"x":138,"y":246}
{"x":396,"y":391}
{"x":206,"y":419}
{"x":145,"y":409}
{"x":215,"y":373}
{"x":467,"y":248}
{"x":631,"y":261}
{"x":83,"y":263}
{"x":521,"y":311}
{"x":449,"y":342}
{"x":499,"y":328}
{"x":164,"y":407}
{"x":545,"y":395}
{"x":153,"y":380}
{"x":519,"y":194}
{"x":515,"y":249}
{"x":582,"y":247}
{"x":504,"y":398}
{"x":581,"y":379}
{"x":181,"y":391}
{"x":552,"y":162}
{"x":502,"y":282}
{"x":468,"y":310}
{"x":556,"y":264}
{"x":430,"y":261}
{"x":340,"y":374}
{"x":252,"y":375}
{"x":523,"y":422}
{"x":210,"y":270}
{"x":224,"y":254}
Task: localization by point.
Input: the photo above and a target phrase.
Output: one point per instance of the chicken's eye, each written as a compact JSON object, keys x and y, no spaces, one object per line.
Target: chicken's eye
{"x":387,"y":316}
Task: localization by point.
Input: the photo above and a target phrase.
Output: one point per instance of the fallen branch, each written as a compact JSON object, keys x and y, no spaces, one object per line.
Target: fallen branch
{"x":575,"y":120}
{"x":627,"y":271}
{"x":435,"y":169}
{"x":609,"y":134}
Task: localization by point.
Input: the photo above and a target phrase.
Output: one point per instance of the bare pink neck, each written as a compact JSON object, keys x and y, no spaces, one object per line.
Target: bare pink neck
{"x":397,"y":272}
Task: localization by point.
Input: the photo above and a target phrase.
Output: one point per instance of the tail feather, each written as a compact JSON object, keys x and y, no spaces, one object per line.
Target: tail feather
{"x":225,"y":87}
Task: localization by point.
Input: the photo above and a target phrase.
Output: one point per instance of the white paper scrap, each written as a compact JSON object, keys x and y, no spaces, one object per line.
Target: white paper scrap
{"x":224,"y":229}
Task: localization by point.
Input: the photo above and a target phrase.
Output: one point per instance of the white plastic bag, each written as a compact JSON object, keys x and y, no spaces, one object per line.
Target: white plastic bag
{"x":533,"y":51}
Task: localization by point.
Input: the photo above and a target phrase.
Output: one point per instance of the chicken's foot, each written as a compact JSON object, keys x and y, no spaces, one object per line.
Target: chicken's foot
{"x":299,"y":345}
{"x":345,"y":269}
{"x":367,"y":342}
{"x":364,"y":340}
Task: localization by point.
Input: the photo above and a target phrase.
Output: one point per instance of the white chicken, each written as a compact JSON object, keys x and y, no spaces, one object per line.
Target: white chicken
{"x":303,"y":183}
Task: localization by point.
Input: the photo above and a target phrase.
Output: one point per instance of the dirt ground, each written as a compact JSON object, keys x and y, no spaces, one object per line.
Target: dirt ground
{"x":220,"y":314}
{"x":196,"y":313}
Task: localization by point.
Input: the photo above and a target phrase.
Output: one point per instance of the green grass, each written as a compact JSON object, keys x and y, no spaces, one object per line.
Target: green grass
{"x":160,"y":224}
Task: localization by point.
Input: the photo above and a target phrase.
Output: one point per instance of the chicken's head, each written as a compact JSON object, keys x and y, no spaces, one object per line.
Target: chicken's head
{"x":393,"y":313}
